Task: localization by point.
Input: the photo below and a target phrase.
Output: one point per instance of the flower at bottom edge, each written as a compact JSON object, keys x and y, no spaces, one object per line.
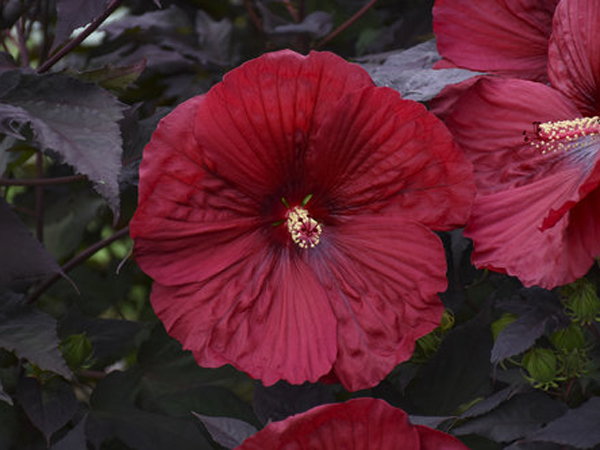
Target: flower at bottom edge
{"x":359,"y":423}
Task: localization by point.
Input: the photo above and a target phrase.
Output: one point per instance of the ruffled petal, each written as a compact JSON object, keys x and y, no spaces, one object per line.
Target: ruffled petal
{"x":382,"y":276}
{"x":189,"y":224}
{"x":506,"y":231}
{"x":583,"y":232}
{"x":574,"y":53}
{"x":491,"y":122}
{"x":267,"y":315}
{"x":436,"y":440}
{"x":378,"y":152}
{"x":362,"y":423}
{"x":507,"y":37}
{"x":254,"y":126}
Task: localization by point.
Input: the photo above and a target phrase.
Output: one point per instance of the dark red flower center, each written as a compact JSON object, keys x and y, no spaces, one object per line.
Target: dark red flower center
{"x":565,"y":135}
{"x":304,"y":230}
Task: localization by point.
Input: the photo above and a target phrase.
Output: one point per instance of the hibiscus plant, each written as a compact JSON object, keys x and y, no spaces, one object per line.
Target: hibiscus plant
{"x":283,"y":224}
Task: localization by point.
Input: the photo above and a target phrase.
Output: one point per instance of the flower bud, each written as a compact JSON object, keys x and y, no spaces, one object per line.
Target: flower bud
{"x":582,"y":300}
{"x":541,"y":364}
{"x":500,"y":324}
{"x":569,"y":338}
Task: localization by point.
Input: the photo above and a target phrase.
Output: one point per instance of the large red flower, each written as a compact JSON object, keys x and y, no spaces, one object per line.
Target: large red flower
{"x":286,"y":219}
{"x":536,"y":153}
{"x":362,"y":423}
{"x":507,"y":37}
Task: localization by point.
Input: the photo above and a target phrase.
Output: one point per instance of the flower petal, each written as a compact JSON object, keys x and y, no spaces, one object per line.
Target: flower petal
{"x":436,"y":440}
{"x":254,"y":126}
{"x":362,"y":423}
{"x":266,"y":314}
{"x":378,"y":152}
{"x":574,"y":53}
{"x":189,"y":224}
{"x":489,"y":124}
{"x":382,"y":276}
{"x":506,"y":230}
{"x":507,"y":37}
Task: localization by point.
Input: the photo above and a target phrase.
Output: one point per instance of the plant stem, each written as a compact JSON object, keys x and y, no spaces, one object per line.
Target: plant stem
{"x":41,"y":181}
{"x":114,"y":4}
{"x":39,"y":198}
{"x":291,"y":10}
{"x":76,"y":260}
{"x":253,"y":17}
{"x":22,"y":42}
{"x":346,"y":24}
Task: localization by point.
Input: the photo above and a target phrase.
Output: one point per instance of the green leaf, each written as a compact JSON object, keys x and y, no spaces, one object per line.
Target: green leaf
{"x":31,"y":334}
{"x":49,"y":406}
{"x":77,"y":120}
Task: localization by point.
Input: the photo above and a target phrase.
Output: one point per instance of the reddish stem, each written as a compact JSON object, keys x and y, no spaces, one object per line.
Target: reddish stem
{"x":39,"y":198}
{"x":76,"y":260}
{"x":41,"y":181}
{"x":346,"y":24}
{"x":114,"y":4}
{"x":253,"y":16}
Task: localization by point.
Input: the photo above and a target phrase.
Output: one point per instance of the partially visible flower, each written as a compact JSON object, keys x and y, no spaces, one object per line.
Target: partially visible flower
{"x":536,"y":155}
{"x":506,"y":37}
{"x":286,"y":219}
{"x":362,"y":423}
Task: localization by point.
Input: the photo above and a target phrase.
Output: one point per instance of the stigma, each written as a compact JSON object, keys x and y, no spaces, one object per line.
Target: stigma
{"x":304,"y":230}
{"x":564,"y":135}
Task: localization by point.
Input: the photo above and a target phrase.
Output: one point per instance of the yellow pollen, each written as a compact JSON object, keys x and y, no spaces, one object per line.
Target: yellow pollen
{"x":304,"y":230}
{"x":565,"y":135}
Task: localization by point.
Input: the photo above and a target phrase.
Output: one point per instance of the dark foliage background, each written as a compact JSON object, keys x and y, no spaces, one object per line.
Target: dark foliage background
{"x":84,"y":363}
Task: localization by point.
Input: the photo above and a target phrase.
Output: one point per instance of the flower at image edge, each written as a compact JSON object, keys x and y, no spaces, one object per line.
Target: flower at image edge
{"x":362,"y":423}
{"x":286,"y":218}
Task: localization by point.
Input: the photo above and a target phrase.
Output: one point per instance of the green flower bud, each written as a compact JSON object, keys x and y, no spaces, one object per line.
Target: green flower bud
{"x":77,"y":350}
{"x":569,"y":338}
{"x":541,"y":364}
{"x":501,"y":323}
{"x":582,"y":300}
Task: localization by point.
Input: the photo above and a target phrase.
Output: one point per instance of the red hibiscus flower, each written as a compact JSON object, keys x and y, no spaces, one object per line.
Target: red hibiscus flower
{"x":364,"y":423}
{"x":286,"y":219}
{"x":507,"y":37}
{"x":536,"y":153}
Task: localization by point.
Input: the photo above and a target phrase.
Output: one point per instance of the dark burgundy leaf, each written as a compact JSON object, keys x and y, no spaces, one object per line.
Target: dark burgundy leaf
{"x":49,"y":406}
{"x":114,"y":414}
{"x":73,"y":14}
{"x":77,"y":120}
{"x":518,"y":417}
{"x":457,"y":374}
{"x":30,"y":333}
{"x":24,"y":260}
{"x":579,"y":427}
{"x":214,"y":37}
{"x":315,"y":25}
{"x":492,"y":402}
{"x":283,"y":399}
{"x":74,"y":439}
{"x":4,"y":396}
{"x":226,"y":431}
{"x":540,"y":311}
{"x":410,"y":72}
